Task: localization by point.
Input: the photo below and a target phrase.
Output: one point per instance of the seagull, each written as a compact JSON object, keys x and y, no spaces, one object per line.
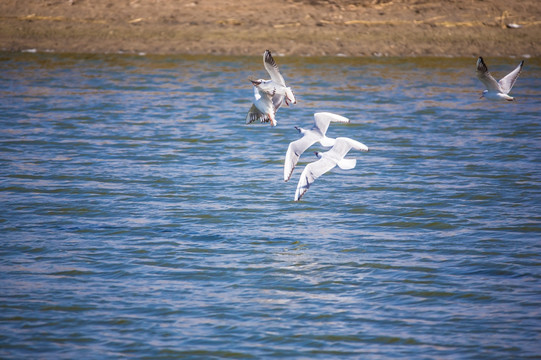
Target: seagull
{"x":270,"y":91}
{"x":497,"y":90}
{"x":327,"y":161}
{"x":309,"y":137}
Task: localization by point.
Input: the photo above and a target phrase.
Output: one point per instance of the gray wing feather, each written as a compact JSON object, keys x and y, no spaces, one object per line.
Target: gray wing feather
{"x":272,"y":68}
{"x":486,"y":78}
{"x":278,"y":101}
{"x":255,"y":115}
{"x":507,"y":82}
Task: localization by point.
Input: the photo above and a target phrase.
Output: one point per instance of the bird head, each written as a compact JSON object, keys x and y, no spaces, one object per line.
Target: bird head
{"x":259,"y":82}
{"x":483,"y":94}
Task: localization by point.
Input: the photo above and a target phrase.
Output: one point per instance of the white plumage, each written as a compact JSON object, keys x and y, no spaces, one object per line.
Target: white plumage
{"x":497,"y":90}
{"x":327,"y":161}
{"x":309,"y":137}
{"x":269,"y":95}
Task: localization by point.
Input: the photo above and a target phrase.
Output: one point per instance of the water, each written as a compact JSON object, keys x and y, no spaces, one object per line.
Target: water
{"x":142,"y":218}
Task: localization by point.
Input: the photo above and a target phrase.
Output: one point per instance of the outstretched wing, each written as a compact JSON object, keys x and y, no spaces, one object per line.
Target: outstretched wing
{"x":272,"y":68}
{"x":323,"y":119}
{"x":507,"y":82}
{"x":294,"y":151}
{"x":342,"y":147}
{"x":485,"y":77}
{"x":310,"y":173}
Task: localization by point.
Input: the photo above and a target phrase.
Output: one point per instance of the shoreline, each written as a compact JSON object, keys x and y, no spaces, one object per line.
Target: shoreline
{"x":34,"y":51}
{"x":406,"y":28}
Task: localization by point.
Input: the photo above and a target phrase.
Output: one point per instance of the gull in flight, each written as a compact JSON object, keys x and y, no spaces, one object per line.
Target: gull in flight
{"x":269,"y":94}
{"x":309,"y":137}
{"x":327,"y":161}
{"x":497,"y":90}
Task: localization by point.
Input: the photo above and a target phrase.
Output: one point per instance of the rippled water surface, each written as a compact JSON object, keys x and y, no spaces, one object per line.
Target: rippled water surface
{"x":142,"y":218}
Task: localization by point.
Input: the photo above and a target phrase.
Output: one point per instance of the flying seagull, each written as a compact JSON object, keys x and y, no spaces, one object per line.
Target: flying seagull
{"x":327,"y":161}
{"x":309,"y":137}
{"x":269,"y":94}
{"x":497,"y":90}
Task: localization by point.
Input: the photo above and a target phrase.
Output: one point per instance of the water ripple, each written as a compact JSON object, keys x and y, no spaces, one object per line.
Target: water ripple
{"x":142,"y":217}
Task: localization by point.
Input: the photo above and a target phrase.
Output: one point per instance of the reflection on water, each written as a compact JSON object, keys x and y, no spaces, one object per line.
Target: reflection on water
{"x":142,"y":216}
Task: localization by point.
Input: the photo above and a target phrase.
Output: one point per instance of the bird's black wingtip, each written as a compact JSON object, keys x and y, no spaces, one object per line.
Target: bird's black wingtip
{"x":481,"y":66}
{"x":268,"y":58}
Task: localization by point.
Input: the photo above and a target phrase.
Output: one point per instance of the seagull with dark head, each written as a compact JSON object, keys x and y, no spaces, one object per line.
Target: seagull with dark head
{"x":497,"y":90}
{"x":269,"y":95}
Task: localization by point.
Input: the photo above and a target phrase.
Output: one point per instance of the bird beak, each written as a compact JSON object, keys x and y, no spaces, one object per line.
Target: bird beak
{"x":255,"y":82}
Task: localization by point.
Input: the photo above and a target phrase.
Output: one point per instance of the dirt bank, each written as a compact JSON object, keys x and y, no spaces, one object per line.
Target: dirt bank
{"x":289,"y":27}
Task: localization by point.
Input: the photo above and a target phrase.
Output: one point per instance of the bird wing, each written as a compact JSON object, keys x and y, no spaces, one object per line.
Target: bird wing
{"x":486,"y":78}
{"x":310,"y":173}
{"x":342,"y":147}
{"x":294,"y":151}
{"x":272,"y":68}
{"x":323,"y":119}
{"x":254,"y":115}
{"x":507,"y":82}
{"x":278,"y":101}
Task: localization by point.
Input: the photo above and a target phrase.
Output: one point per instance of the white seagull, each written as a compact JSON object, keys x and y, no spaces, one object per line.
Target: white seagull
{"x":269,"y":94}
{"x":327,"y":161}
{"x":309,"y":137}
{"x":497,"y":90}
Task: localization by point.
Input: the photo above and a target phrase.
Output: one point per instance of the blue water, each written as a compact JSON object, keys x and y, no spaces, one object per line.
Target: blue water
{"x":142,"y":218}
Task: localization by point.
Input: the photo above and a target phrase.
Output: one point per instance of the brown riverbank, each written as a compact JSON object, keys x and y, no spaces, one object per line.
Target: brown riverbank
{"x":289,"y":27}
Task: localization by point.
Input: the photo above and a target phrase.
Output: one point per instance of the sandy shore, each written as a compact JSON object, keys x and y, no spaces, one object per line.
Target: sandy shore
{"x":289,"y":27}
